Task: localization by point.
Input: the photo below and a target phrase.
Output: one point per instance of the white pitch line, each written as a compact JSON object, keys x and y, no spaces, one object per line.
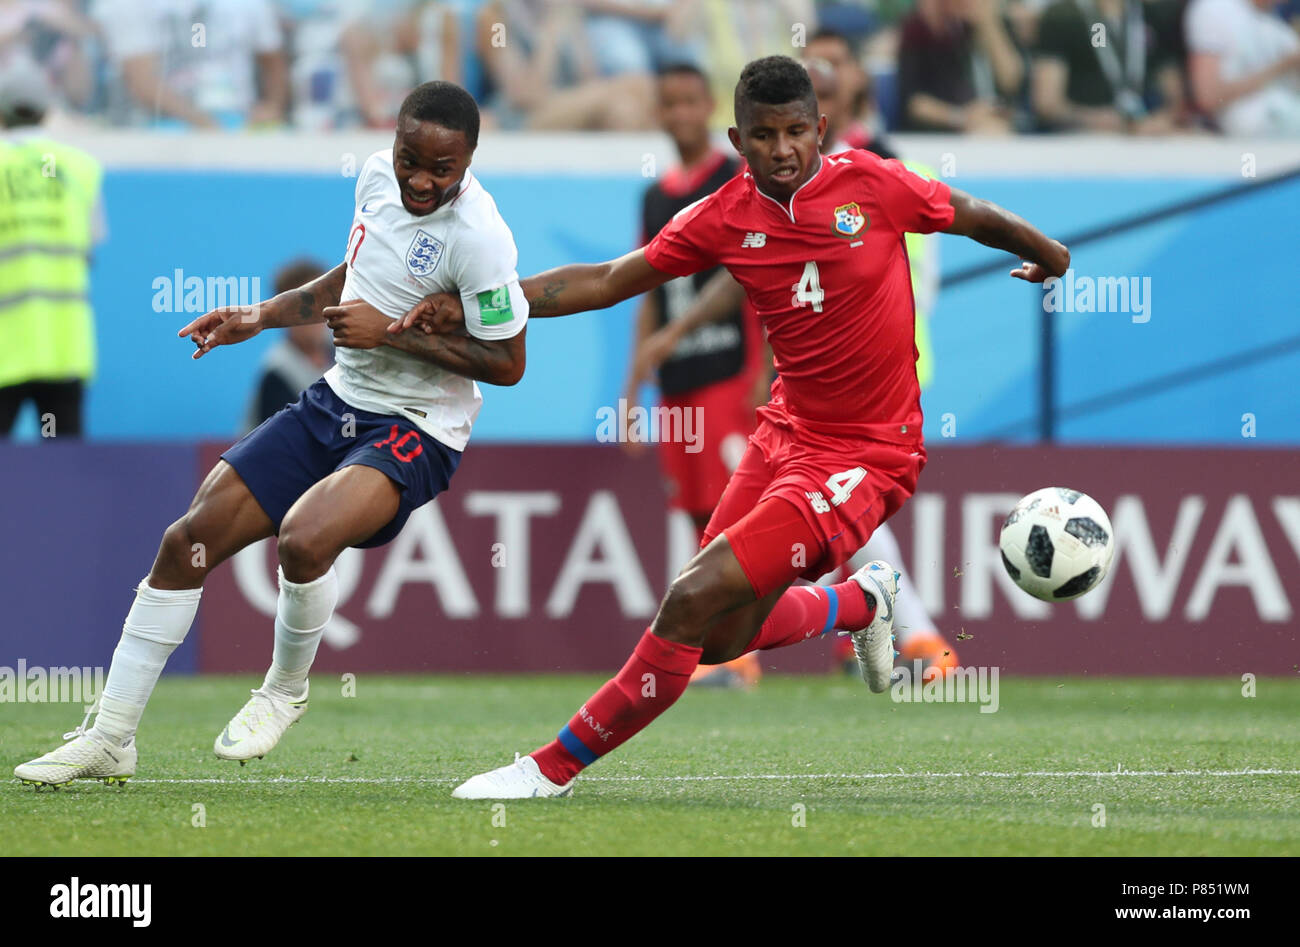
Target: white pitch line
{"x":779,"y":777}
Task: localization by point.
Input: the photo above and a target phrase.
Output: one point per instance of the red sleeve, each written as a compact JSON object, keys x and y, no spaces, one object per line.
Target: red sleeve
{"x":913,"y":202}
{"x":687,"y":243}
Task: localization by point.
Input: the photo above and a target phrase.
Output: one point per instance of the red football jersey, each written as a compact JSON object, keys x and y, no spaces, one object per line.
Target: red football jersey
{"x":829,"y":277}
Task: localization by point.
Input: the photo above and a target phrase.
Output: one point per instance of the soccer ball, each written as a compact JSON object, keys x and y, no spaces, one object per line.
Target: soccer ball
{"x":1057,"y":544}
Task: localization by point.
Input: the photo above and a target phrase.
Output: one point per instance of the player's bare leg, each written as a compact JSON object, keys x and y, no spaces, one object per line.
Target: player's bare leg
{"x":711,"y":613}
{"x":743,"y":670}
{"x":347,"y":507}
{"x":222,"y":519}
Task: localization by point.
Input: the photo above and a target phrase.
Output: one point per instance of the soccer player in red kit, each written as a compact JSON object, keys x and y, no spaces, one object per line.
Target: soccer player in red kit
{"x":817,"y":243}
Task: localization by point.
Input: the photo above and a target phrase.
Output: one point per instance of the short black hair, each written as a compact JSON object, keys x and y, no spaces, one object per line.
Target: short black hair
{"x":773,"y":80}
{"x":445,"y":104}
{"x":681,"y":69}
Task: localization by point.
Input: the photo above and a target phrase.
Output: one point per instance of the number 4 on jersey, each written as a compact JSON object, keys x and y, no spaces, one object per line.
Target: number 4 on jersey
{"x":809,"y":288}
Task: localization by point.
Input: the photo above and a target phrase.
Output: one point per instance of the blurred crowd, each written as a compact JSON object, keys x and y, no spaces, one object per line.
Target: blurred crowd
{"x":980,"y":66}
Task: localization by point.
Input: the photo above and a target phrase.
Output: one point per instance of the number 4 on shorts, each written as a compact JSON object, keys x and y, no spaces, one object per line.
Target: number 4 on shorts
{"x":841,"y":484}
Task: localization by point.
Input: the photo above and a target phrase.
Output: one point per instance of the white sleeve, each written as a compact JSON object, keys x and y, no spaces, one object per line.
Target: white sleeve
{"x":494,"y":303}
{"x":1209,"y":27}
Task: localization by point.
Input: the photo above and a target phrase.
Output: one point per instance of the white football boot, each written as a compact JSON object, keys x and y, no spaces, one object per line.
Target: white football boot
{"x":520,"y":780}
{"x":257,"y":728}
{"x":874,"y":645}
{"x":86,"y":755}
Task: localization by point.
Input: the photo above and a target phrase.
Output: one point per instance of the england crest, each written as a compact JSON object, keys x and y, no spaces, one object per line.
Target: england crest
{"x":849,"y":220}
{"x":426,"y":250}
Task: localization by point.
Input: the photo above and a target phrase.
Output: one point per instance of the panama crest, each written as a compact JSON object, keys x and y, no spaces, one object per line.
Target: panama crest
{"x":425,"y":252}
{"x":849,"y":220}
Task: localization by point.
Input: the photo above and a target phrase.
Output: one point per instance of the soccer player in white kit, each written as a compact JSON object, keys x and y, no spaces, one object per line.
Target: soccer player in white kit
{"x":378,"y":436}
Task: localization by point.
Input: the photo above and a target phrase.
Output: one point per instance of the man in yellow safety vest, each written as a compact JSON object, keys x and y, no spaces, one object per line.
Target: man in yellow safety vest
{"x":50,"y":219}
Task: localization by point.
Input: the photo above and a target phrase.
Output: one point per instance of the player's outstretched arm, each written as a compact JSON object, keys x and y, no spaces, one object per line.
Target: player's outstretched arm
{"x":581,"y":287}
{"x":578,"y":287}
{"x":997,"y":227}
{"x":301,"y":306}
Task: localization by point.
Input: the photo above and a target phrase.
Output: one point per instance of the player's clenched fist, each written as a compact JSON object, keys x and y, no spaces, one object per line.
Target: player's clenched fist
{"x":1056,"y":263}
{"x":439,"y":312}
{"x":224,"y":326}
{"x":357,"y":325}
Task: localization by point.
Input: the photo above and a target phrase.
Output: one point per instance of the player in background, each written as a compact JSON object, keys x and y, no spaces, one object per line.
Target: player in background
{"x":378,"y":436}
{"x":917,"y":635}
{"x":853,"y":101}
{"x":294,"y":363}
{"x":839,"y":447}
{"x":714,"y":369}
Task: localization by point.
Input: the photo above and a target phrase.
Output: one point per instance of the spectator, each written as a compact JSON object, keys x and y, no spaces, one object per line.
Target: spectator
{"x":300,"y":357}
{"x":852,"y":18}
{"x":957,"y":68}
{"x":740,"y":31}
{"x":49,"y":35}
{"x":640,"y":37}
{"x":50,"y":219}
{"x":191,"y":63}
{"x":1244,"y":66}
{"x":1097,"y":68}
{"x":390,"y":48}
{"x":543,"y":75}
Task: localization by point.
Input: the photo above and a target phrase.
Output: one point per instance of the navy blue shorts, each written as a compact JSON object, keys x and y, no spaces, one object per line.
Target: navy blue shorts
{"x":301,"y":445}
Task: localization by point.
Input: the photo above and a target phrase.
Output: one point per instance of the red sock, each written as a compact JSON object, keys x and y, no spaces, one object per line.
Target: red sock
{"x":809,"y":611}
{"x":651,"y":681}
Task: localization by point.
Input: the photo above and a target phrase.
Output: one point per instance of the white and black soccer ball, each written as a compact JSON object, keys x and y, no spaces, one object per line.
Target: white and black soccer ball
{"x":1057,"y":544}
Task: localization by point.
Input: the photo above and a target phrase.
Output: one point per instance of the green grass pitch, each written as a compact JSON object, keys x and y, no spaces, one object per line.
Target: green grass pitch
{"x":802,"y":766}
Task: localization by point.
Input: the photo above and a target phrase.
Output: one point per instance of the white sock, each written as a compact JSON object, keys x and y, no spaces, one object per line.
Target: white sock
{"x":910,"y":616}
{"x":301,"y":614}
{"x":158,"y":621}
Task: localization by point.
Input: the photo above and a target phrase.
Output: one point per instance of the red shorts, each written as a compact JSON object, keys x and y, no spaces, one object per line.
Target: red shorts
{"x":802,"y":503}
{"x":723,"y":417}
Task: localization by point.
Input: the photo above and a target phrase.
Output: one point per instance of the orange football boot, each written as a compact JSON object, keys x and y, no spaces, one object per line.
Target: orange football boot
{"x":744,"y":672}
{"x":935,"y":654}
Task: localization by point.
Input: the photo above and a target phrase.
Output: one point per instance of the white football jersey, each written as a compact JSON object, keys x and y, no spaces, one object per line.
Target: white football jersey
{"x":394,"y":260}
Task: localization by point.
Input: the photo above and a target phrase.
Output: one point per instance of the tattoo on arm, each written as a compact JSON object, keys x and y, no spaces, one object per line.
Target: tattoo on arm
{"x":308,"y":303}
{"x":545,"y":304}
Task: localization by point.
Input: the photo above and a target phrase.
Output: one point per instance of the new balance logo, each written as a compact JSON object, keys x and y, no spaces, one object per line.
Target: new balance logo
{"x":754,"y":240}
{"x":818,"y":501}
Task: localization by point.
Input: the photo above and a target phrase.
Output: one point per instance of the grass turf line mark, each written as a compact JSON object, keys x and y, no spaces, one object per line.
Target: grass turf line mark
{"x":1028,"y":774}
